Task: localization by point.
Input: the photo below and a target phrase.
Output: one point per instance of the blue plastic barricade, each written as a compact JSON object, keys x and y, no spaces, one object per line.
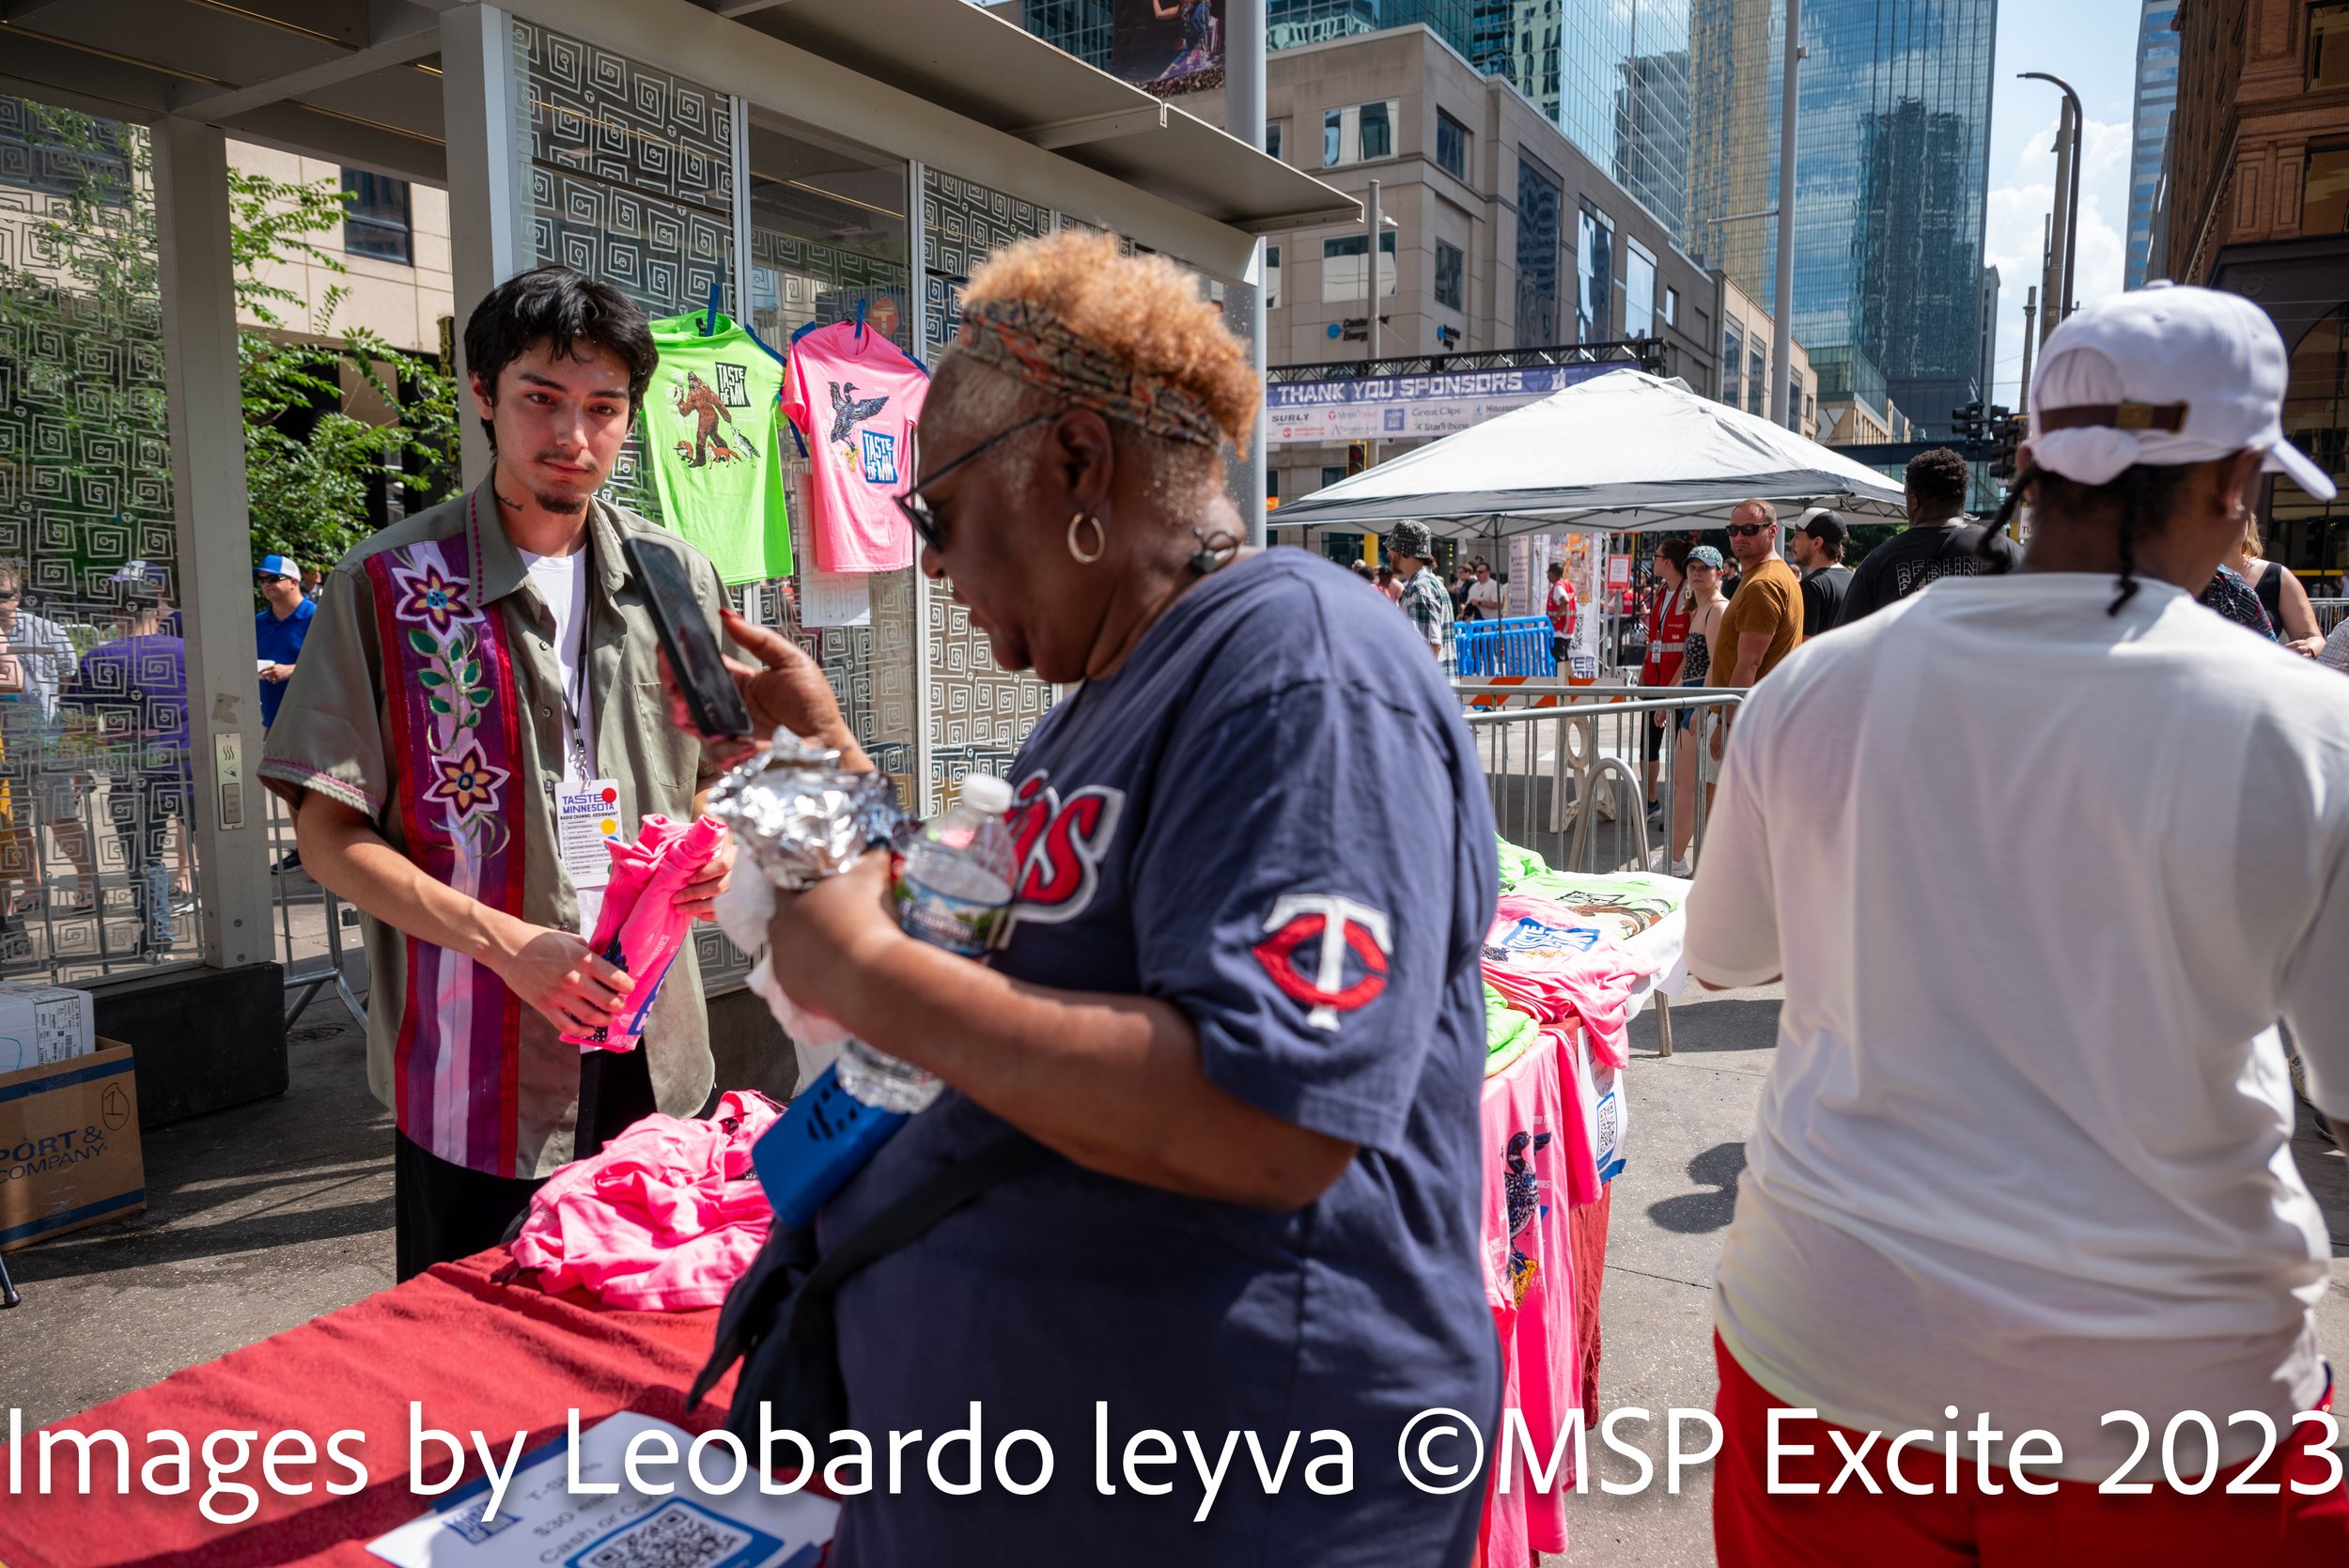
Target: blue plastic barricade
{"x":1518,"y":646}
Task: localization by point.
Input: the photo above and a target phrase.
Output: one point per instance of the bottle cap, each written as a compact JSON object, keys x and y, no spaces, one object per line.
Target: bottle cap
{"x":986,"y":794}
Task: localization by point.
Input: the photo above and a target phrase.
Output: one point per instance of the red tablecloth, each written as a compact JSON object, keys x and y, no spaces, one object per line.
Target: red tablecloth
{"x":479,"y":1355}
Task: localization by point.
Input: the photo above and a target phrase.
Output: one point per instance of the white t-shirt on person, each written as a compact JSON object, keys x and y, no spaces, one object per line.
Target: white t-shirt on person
{"x":562,"y":585}
{"x":2040,"y":881}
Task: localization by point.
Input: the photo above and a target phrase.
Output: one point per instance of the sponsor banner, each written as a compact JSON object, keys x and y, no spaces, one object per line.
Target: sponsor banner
{"x":1396,"y":408}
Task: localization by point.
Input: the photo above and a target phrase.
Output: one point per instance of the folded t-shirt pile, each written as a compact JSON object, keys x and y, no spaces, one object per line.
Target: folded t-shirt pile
{"x":663,"y":1220}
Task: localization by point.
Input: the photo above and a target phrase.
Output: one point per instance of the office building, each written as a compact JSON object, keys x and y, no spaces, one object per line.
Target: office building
{"x":2258,"y":202}
{"x":2149,"y":128}
{"x":1892,"y":149}
{"x":1506,"y":234}
{"x":1614,"y":74}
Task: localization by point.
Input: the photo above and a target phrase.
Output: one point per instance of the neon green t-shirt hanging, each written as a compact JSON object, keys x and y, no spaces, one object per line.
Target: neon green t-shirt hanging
{"x":712,"y":440}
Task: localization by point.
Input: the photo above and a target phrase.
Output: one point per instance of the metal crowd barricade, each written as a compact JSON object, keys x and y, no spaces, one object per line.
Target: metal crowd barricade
{"x":1567,"y":769}
{"x":2330,"y":612}
{"x":1516,"y":646}
{"x":317,"y":932}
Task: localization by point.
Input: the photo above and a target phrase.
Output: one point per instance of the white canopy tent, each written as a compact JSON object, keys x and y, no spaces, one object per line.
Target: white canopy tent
{"x":1624,"y":452}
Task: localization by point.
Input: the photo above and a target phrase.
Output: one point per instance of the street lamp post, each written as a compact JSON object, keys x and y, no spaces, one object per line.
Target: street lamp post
{"x":1783,"y":328}
{"x":2062,"y":297}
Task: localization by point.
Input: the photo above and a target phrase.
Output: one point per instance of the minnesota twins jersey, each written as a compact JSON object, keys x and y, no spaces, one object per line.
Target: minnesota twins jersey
{"x":1273,"y":817}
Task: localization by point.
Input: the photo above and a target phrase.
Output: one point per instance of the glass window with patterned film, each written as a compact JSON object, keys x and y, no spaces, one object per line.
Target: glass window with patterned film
{"x":375,"y":217}
{"x":1451,"y":264}
{"x":2325,"y":189}
{"x":2329,"y":46}
{"x":1452,"y":145}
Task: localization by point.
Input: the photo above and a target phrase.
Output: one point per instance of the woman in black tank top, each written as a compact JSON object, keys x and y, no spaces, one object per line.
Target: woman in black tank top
{"x":2280,"y":594}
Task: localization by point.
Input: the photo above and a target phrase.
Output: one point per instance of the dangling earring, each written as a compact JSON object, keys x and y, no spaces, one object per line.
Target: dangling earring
{"x":1101,"y":538}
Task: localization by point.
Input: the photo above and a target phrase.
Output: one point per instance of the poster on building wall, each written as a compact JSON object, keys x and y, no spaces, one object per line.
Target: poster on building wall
{"x":1375,"y":408}
{"x":1168,"y":46}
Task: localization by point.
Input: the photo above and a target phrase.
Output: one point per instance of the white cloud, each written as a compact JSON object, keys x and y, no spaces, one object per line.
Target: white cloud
{"x":2013,"y":238}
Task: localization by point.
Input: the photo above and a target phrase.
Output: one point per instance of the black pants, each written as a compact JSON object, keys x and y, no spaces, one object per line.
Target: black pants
{"x":441,"y":1211}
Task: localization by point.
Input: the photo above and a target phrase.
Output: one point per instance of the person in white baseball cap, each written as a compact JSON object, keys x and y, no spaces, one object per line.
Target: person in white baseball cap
{"x":2135,"y":390}
{"x":2040,"y":866}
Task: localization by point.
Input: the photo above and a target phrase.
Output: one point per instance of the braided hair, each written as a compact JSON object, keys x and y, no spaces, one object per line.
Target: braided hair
{"x":2141,"y":493}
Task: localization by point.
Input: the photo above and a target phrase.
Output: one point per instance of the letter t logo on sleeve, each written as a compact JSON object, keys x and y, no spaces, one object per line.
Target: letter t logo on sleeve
{"x":1315,"y":972}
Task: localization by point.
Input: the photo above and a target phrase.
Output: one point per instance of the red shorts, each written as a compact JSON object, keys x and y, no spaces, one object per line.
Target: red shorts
{"x":2074,"y":1526}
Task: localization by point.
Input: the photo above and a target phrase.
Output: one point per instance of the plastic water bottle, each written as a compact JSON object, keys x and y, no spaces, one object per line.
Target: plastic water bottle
{"x":952,"y":893}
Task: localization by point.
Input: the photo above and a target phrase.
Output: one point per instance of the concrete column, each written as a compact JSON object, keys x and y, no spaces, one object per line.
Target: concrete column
{"x":1243,"y":116}
{"x":488,"y":243}
{"x":214,"y":584}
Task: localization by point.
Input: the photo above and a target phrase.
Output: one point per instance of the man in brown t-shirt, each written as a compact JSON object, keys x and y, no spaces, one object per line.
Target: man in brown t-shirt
{"x":1763,"y":622}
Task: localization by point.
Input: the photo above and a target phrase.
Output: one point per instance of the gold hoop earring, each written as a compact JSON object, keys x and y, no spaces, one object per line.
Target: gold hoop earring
{"x":1101,"y":538}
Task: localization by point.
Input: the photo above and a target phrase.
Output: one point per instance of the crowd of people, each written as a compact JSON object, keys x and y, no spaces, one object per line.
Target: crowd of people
{"x":2040,"y":848}
{"x":102,"y":723}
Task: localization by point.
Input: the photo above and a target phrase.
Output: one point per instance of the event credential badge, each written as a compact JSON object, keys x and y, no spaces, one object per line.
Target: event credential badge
{"x":608,"y":1523}
{"x":587,"y":819}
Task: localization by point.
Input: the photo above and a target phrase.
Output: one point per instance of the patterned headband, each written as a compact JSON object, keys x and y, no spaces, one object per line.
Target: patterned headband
{"x":1024,"y":339}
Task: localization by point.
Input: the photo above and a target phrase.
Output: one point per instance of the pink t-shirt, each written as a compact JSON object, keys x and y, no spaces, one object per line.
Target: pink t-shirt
{"x":856,"y":399}
{"x":1530,"y":1150}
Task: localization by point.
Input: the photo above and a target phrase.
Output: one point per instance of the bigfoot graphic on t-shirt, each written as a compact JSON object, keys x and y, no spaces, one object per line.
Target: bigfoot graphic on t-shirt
{"x":696,"y":401}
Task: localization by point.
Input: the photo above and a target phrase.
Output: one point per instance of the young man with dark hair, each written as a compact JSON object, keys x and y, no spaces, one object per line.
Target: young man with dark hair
{"x":1816,"y":548}
{"x":1938,"y":541}
{"x":478,"y":696}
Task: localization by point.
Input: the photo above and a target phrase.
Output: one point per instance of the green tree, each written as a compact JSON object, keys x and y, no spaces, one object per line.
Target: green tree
{"x":309,"y":461}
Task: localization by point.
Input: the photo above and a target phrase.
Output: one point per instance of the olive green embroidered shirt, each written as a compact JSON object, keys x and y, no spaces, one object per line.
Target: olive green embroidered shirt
{"x":333,"y":736}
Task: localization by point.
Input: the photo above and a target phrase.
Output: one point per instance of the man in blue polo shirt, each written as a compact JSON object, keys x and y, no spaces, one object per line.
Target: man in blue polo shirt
{"x":279,"y":629}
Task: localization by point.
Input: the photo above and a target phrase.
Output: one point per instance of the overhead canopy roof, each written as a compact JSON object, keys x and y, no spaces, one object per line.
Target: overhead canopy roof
{"x":979,"y":65}
{"x":358,"y":80}
{"x":1621,"y":452}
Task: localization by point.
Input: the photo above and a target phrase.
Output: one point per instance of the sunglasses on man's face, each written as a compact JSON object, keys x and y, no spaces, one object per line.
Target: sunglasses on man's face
{"x":1746,"y":530}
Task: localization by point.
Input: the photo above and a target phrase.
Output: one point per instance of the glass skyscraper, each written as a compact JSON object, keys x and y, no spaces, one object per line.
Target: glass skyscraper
{"x":1892,"y":150}
{"x":1615,"y":75}
{"x":2156,"y":96}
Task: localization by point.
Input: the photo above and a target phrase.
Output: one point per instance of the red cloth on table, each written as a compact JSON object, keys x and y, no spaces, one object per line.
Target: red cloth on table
{"x":666,"y":1218}
{"x":479,"y":1355}
{"x":1586,"y":1238}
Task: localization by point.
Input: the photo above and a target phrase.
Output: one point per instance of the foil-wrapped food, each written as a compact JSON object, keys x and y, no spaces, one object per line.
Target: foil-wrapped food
{"x":801,"y":815}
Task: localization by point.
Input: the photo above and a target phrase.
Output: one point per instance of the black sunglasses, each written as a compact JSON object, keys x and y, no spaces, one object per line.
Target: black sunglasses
{"x":1746,"y":530}
{"x":916,"y":506}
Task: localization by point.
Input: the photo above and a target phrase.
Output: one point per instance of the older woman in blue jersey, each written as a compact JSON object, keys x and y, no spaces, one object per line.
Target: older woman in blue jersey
{"x":1239,"y":1001}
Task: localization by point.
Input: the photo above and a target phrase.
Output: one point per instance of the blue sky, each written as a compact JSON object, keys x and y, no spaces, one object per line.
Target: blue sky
{"x":2092,"y":45}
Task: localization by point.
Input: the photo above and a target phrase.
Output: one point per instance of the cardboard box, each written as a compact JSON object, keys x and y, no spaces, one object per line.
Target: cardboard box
{"x":70,"y":1146}
{"x":41,"y":1026}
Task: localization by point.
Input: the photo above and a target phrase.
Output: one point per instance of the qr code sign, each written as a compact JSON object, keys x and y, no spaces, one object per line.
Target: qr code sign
{"x":679,"y":1535}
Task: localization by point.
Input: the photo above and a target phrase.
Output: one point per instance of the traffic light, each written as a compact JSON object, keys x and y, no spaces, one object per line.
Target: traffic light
{"x":1357,"y":457}
{"x":1968,"y":423}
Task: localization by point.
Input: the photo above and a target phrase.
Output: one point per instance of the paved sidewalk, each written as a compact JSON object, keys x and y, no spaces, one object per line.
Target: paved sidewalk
{"x":257,"y":1220}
